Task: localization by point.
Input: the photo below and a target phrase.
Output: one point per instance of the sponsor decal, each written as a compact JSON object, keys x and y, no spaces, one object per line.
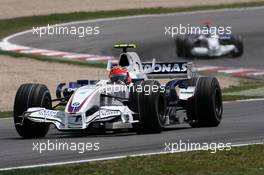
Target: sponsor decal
{"x":107,"y":113}
{"x":166,"y":68}
{"x":47,"y":113}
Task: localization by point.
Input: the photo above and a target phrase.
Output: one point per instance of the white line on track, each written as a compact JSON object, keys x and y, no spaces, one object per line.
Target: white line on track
{"x":7,"y":118}
{"x":246,"y":100}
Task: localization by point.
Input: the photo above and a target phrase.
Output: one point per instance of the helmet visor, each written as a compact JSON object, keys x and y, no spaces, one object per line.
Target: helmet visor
{"x":119,"y":77}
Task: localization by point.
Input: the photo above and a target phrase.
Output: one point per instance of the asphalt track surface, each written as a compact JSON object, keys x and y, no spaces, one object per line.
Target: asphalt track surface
{"x":148,"y":34}
{"x":242,"y":122}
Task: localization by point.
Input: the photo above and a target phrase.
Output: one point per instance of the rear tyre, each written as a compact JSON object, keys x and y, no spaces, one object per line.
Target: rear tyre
{"x":207,"y":107}
{"x":31,"y":95}
{"x":238,"y":52}
{"x":151,"y":107}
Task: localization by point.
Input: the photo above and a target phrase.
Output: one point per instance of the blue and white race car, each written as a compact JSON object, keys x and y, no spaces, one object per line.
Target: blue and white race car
{"x":129,"y":99}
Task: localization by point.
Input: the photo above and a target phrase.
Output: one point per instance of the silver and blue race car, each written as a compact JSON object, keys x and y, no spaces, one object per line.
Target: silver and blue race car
{"x":209,"y":45}
{"x":143,"y":105}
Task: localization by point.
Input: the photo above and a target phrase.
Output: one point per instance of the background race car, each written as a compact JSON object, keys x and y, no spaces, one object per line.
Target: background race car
{"x":209,"y":45}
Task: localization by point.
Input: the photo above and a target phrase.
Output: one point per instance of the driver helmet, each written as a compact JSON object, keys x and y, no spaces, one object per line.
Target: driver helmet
{"x":119,"y":74}
{"x":207,"y":23}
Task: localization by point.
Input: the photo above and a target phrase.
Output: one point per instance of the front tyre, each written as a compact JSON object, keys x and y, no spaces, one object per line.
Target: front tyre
{"x":239,"y":47}
{"x":207,"y":107}
{"x":188,"y":46}
{"x":133,"y":104}
{"x":151,"y":107}
{"x":31,"y":95}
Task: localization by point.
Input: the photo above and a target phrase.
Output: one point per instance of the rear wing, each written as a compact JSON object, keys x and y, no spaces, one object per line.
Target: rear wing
{"x":179,"y":70}
{"x":125,"y":46}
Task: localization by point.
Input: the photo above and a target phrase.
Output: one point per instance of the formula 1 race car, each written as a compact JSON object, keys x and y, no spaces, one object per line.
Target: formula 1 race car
{"x":209,"y":45}
{"x":129,"y":99}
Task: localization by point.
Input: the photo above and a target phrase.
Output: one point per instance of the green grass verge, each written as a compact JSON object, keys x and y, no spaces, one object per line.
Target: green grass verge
{"x":248,"y":160}
{"x":246,"y":84}
{"x":6,"y":114}
{"x":10,"y":26}
{"x":238,"y":97}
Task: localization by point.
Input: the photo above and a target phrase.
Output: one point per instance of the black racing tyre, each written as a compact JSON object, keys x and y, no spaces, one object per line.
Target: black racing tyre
{"x":133,"y":104}
{"x":207,"y":107}
{"x":31,"y":95}
{"x":151,"y":107}
{"x":188,"y":46}
{"x":179,"y":42}
{"x":133,"y":96}
{"x":238,"y":52}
